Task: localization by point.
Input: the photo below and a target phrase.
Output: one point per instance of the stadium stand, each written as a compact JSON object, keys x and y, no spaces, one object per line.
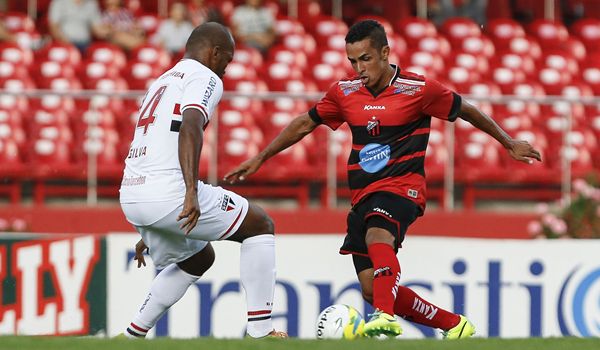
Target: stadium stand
{"x":45,"y":140}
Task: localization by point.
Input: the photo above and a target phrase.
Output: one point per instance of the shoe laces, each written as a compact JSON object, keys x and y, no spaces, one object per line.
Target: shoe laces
{"x":375,"y":314}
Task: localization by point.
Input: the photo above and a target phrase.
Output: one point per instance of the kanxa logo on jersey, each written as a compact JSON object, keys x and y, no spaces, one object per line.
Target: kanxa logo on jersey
{"x":373,"y":126}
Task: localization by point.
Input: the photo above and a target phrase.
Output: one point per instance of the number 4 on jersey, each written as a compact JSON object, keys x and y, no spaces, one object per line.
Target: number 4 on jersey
{"x":146,"y":120}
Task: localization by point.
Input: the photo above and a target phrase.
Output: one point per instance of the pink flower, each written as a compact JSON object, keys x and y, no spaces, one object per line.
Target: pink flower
{"x":534,"y":227}
{"x":559,"y":227}
{"x":19,"y":225}
{"x":549,"y":219}
{"x":579,"y":185}
{"x":542,"y":208}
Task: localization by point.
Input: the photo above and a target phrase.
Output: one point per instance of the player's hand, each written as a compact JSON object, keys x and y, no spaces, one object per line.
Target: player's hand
{"x":140,"y":247}
{"x":243,"y":170}
{"x":524,"y":152}
{"x":191,"y":211}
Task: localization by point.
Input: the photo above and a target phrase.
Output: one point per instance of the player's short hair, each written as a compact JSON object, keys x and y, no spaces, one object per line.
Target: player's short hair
{"x":208,"y":34}
{"x":367,"y":29}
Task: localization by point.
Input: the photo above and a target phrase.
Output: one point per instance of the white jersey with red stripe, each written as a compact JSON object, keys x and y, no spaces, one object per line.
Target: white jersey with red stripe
{"x":152,"y":170}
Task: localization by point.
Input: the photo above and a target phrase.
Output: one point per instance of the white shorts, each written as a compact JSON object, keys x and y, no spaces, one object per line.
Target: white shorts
{"x":221,"y":214}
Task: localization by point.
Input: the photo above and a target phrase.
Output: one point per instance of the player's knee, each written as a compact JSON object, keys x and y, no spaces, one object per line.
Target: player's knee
{"x":268,"y":225}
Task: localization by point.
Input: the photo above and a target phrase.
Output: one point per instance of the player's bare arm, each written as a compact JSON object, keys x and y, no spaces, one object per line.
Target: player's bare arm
{"x":519,"y":150}
{"x":140,"y":248}
{"x":190,"y":145}
{"x":294,"y":132}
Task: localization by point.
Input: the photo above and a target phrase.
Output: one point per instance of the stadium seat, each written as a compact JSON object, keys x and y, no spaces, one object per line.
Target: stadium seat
{"x":301,"y":42}
{"x":414,"y":29}
{"x":13,"y":53}
{"x":503,"y":30}
{"x":526,"y":46}
{"x":149,"y":22}
{"x":550,"y":34}
{"x":326,"y":74}
{"x":478,"y":45}
{"x":588,"y":31}
{"x":248,"y":56}
{"x":322,"y":28}
{"x":469,"y":61}
{"x":18,"y":22}
{"x":151,"y":54}
{"x":285,"y":26}
{"x":139,"y":75}
{"x":516,"y":61}
{"x":280,"y":53}
{"x":106,"y":53}
{"x":60,"y":52}
{"x":9,"y":70}
{"x":459,"y":28}
{"x":240,"y":71}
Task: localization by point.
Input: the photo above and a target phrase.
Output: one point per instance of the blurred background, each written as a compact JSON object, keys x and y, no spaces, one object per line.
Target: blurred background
{"x":73,"y":72}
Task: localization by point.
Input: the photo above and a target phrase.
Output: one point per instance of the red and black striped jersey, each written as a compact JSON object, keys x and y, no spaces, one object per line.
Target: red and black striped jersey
{"x":390,"y":131}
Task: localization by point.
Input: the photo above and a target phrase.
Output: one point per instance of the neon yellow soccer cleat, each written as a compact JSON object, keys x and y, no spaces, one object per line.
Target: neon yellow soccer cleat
{"x":464,"y":329}
{"x":381,"y":323}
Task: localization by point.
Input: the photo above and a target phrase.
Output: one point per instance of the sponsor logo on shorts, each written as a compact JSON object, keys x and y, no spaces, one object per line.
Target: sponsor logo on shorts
{"x":371,"y":107}
{"x":382,"y":211}
{"x":413,"y":193}
{"x":227,"y":204}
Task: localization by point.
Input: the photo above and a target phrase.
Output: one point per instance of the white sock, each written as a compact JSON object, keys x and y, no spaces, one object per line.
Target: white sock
{"x":166,"y":289}
{"x":257,"y":273}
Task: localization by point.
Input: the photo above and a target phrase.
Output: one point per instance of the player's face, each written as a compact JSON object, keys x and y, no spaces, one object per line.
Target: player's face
{"x":368,"y":62}
{"x":221,"y":58}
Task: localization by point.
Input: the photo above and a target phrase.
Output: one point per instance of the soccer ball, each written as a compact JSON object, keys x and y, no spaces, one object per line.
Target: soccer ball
{"x":340,"y":322}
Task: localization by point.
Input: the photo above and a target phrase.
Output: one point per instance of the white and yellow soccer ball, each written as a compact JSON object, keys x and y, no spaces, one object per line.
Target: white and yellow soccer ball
{"x":340,"y":321}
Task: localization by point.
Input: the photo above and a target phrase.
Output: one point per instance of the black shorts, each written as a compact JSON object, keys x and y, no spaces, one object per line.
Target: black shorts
{"x":383,"y":210}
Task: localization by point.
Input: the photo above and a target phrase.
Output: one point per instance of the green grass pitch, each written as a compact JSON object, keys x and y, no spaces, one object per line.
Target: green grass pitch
{"x":68,"y":343}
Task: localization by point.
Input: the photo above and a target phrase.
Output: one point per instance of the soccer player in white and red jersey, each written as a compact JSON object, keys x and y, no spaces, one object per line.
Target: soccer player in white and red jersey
{"x":160,"y":188}
{"x":389,"y":112}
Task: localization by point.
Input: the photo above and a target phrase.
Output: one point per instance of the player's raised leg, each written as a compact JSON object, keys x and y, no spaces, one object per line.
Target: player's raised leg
{"x":257,"y":270}
{"x":385,"y":282}
{"x":410,"y":306}
{"x":167,"y":288}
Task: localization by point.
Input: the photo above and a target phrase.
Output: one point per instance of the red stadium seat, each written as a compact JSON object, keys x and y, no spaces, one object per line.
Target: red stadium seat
{"x":459,"y":28}
{"x":287,"y":26}
{"x":526,"y":46}
{"x":139,"y":75}
{"x":325,"y":74}
{"x":240,"y":71}
{"x":149,"y":23}
{"x":9,"y":70}
{"x":554,"y":80}
{"x":588,"y":31}
{"x":18,"y":22}
{"x":470,"y":61}
{"x":462,"y":78}
{"x":516,"y":61}
{"x":324,"y":27}
{"x":60,"y":52}
{"x":414,"y":29}
{"x":106,"y":53}
{"x":301,"y":42}
{"x":151,"y":54}
{"x":438,"y":45}
{"x":478,"y":45}
{"x":13,"y":53}
{"x":503,"y":31}
{"x":280,"y":53}
{"x":429,"y":61}
{"x":278,"y":74}
{"x":248,"y":56}
{"x":550,"y":34}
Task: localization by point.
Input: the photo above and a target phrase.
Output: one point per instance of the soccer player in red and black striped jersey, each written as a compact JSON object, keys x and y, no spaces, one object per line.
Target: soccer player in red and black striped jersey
{"x":389,"y":112}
